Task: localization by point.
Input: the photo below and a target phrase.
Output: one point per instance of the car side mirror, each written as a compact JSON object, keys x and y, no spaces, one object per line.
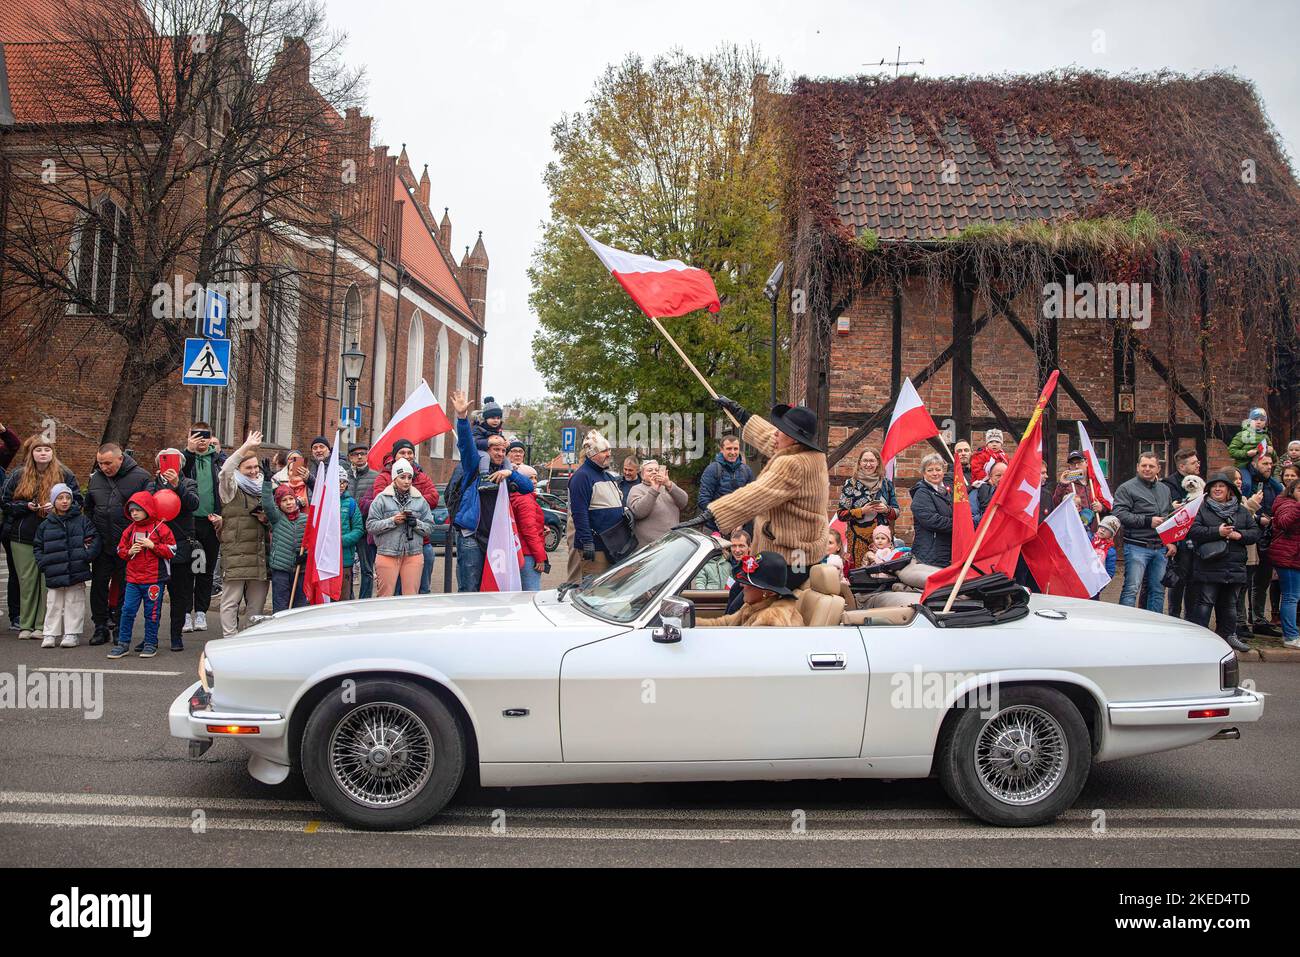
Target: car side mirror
{"x":675,"y":614}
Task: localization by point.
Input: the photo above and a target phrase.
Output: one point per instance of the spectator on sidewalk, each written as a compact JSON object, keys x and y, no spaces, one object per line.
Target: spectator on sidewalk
{"x":1187,"y":465}
{"x":115,"y":478}
{"x":404,"y":450}
{"x":983,"y":494}
{"x":1284,"y":552}
{"x":296,"y":476}
{"x":65,"y":545}
{"x":400,"y":519}
{"x":362,"y":480}
{"x":10,"y":443}
{"x":189,"y":551}
{"x":726,"y":473}
{"x":147,"y":547}
{"x":489,"y":425}
{"x":630,"y":478}
{"x":354,"y":533}
{"x":1103,"y":543}
{"x":961,"y":451}
{"x":595,"y":506}
{"x":1247,"y":443}
{"x":656,"y":504}
{"x":991,"y":452}
{"x":932,"y":515}
{"x":201,"y":463}
{"x":1259,"y":478}
{"x":288,"y":525}
{"x":26,"y":501}
{"x":1220,"y":533}
{"x":530,"y":522}
{"x":867,"y":501}
{"x":1141,"y":504}
{"x":243,"y":535}
{"x":320,"y":452}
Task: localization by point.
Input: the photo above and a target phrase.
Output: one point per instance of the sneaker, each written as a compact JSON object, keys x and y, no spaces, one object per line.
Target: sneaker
{"x":100,"y":637}
{"x":201,"y":621}
{"x":1237,"y":644}
{"x":1292,"y":643}
{"x":149,"y":651}
{"x":189,"y":622}
{"x":15,"y":625}
{"x":139,"y":646}
{"x":178,"y":645}
{"x":49,"y":641}
{"x":70,"y":641}
{"x":25,"y":634}
{"x":1272,"y":631}
{"x":119,"y":651}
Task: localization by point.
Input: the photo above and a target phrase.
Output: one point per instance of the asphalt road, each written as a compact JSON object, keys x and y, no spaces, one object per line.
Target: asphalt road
{"x":118,"y":790}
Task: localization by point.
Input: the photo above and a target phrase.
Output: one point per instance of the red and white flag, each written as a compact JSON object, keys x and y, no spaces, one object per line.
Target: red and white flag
{"x":505,"y":555}
{"x":1176,"y":526}
{"x":1061,"y":557}
{"x":909,"y":424}
{"x":322,"y":576}
{"x":419,"y":419}
{"x":669,"y":288}
{"x":1100,"y":487}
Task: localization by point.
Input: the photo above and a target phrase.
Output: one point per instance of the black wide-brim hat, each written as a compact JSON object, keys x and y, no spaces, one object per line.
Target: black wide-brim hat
{"x":798,"y":422}
{"x":766,"y":570}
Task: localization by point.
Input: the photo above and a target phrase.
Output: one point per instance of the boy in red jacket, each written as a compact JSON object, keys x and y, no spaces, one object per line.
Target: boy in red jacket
{"x":147,"y":545}
{"x":530,"y":522}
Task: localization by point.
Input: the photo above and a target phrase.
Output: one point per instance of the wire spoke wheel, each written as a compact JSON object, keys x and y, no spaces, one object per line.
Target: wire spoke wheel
{"x":1021,"y":755}
{"x":381,"y":754}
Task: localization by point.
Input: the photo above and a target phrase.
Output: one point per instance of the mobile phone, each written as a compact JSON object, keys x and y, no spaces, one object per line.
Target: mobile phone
{"x":170,"y":462}
{"x":200,"y":434}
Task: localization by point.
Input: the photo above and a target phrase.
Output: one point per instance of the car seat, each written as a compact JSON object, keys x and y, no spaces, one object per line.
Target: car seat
{"x":820,"y":603}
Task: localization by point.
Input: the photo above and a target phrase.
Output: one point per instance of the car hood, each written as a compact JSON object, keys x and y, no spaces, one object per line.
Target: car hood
{"x":1103,"y":617}
{"x":479,"y":611}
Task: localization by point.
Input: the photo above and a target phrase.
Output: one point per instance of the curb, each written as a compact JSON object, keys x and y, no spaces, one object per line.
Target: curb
{"x":1248,"y":656}
{"x":1279,"y":654}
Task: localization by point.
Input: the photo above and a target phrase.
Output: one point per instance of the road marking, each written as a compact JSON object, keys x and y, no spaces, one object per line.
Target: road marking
{"x":1048,"y":833}
{"x":118,"y":671}
{"x":312,"y":827}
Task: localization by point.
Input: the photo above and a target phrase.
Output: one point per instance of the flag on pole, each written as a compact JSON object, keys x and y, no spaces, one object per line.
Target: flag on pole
{"x":419,"y":419}
{"x":1100,"y":487}
{"x":322,"y":576}
{"x":963,"y":525}
{"x":1061,"y":557}
{"x":505,"y":555}
{"x":1176,"y":526}
{"x":909,"y":424}
{"x":660,"y":288}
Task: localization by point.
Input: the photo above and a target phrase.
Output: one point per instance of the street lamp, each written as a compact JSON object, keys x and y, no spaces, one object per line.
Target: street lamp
{"x":354,"y":361}
{"x":771,"y":289}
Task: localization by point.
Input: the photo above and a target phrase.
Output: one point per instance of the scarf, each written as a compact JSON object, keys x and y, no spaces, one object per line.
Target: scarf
{"x":1224,"y":510}
{"x":403,"y":498}
{"x":249,"y":486}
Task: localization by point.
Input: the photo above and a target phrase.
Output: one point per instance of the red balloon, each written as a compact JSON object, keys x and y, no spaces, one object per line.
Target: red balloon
{"x":168,"y":504}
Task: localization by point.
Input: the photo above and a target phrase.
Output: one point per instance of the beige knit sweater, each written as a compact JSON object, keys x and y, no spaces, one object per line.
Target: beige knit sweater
{"x":655,"y":510}
{"x":789,"y":500}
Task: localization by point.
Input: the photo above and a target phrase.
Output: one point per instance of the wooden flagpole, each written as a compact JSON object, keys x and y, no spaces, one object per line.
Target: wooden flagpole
{"x":703,"y":381}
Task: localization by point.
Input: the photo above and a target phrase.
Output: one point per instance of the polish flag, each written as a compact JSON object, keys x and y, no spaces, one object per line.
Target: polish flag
{"x":909,"y":424}
{"x":1061,"y":557}
{"x":322,"y":576}
{"x":505,"y":555}
{"x":1100,"y":487}
{"x":419,"y":419}
{"x":669,"y":288}
{"x":1176,"y":526}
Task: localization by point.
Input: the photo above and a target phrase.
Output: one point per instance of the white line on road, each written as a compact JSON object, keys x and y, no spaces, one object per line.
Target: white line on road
{"x":668,"y":834}
{"x":118,"y":671}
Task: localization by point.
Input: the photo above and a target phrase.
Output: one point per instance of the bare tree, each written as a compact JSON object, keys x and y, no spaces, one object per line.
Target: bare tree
{"x":172,"y":138}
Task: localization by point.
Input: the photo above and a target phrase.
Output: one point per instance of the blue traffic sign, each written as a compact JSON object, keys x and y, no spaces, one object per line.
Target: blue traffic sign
{"x":569,"y":439}
{"x":207,"y":362}
{"x":350,"y":416}
{"x":216,"y":308}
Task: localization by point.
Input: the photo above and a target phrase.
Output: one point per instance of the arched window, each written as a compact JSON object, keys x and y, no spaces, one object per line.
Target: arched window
{"x":100,"y":266}
{"x":462,"y":374}
{"x":281,"y":359}
{"x":441,"y":358}
{"x":379,"y":380}
{"x":414,"y":352}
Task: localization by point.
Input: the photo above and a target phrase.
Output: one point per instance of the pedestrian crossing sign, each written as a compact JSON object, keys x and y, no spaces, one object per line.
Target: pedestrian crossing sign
{"x":207,"y":362}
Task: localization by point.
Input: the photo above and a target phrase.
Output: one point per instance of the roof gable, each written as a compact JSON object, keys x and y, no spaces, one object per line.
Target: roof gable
{"x":422,"y":256}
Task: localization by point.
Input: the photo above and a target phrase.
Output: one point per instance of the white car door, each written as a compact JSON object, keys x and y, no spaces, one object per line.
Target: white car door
{"x":720,"y":694}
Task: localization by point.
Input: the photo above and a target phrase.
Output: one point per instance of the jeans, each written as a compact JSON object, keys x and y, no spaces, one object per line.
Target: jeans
{"x":180,"y":588}
{"x":469,"y":561}
{"x":426,"y":574}
{"x":281,"y":585}
{"x":104,"y":570}
{"x":1142,"y":563}
{"x":150,"y":595}
{"x":529,"y":577}
{"x":1217,"y":597}
{"x":1290,"y":578}
{"x":367,"y":569}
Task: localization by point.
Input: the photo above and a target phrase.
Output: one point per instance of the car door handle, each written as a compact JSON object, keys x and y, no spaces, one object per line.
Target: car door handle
{"x":826,"y":662}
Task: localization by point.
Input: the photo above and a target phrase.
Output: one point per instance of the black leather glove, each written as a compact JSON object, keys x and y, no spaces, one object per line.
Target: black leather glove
{"x":302,"y":559}
{"x":588,"y":553}
{"x":705,"y":517}
{"x":735,"y":408}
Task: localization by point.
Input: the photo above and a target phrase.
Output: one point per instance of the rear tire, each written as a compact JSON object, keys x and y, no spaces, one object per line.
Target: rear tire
{"x":388,"y":760}
{"x":1023,"y":764}
{"x":552,"y":540}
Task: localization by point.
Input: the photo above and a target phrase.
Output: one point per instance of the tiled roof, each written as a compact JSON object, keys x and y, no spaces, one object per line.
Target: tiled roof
{"x":33,"y":20}
{"x":906,"y":186}
{"x":421,"y":255}
{"x":53,"y":82}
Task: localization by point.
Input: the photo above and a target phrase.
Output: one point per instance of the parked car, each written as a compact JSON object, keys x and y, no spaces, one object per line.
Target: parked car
{"x":442,"y":522}
{"x":557,"y":525}
{"x":547,"y":688}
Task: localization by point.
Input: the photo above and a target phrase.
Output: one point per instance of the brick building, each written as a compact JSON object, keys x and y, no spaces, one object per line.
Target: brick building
{"x":911,"y":200}
{"x":384,"y":276}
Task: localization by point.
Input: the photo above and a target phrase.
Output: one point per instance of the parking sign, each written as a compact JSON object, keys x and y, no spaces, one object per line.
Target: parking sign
{"x":216,"y":308}
{"x":569,"y":439}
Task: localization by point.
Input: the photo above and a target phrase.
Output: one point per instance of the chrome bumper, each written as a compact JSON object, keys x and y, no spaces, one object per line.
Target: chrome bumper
{"x":1241,"y":707}
{"x":203,"y":724}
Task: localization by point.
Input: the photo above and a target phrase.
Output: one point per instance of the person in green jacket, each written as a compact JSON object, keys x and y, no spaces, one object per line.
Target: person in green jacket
{"x":354,"y":530}
{"x":1245,"y":444}
{"x":288,"y":524}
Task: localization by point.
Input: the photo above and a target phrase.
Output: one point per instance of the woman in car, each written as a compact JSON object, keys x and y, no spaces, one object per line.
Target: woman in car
{"x":768,"y":598}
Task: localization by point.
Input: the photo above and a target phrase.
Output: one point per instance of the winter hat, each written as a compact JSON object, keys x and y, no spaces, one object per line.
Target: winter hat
{"x":516,"y":444}
{"x":993,"y":435}
{"x":403,"y":467}
{"x":59,"y":490}
{"x":491,"y":410}
{"x":283,"y":491}
{"x":402,"y":444}
{"x":1110,"y":522}
{"x":527,"y":471}
{"x":593,"y":444}
{"x":1193,"y":484}
{"x":320,"y":440}
{"x":1257,"y":414}
{"x":358,"y":447}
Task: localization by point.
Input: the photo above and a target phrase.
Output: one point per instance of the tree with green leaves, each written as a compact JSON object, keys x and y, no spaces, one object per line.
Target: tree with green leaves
{"x":671,"y":159}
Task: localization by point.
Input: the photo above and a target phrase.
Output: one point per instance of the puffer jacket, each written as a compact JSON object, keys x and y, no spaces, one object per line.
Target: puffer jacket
{"x":106,"y":497}
{"x":22,"y":522}
{"x":243,"y":537}
{"x":472,"y":466}
{"x":932,"y":518}
{"x":1231,"y":567}
{"x":286,"y":533}
{"x":397,"y":539}
{"x":530,"y":523}
{"x":983,"y":460}
{"x":1244,"y":442}
{"x":776,"y":611}
{"x":721,"y":477}
{"x":1284,"y":552}
{"x":148,"y":566}
{"x":65,"y":545}
{"x":354,"y":529}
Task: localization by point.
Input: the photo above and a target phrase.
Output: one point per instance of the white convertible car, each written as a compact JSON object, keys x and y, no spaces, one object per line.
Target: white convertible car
{"x":1008,"y":699}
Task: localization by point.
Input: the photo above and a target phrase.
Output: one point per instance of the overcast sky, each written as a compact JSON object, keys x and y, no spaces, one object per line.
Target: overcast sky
{"x":473,"y":88}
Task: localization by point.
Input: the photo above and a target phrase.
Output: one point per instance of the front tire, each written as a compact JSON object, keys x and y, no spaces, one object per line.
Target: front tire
{"x":387,"y":760}
{"x":1023,"y":764}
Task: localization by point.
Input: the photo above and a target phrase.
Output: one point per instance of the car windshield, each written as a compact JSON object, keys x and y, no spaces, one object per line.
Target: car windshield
{"x":625,"y":591}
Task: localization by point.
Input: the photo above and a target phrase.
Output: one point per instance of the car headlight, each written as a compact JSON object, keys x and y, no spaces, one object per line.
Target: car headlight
{"x":206,"y":677}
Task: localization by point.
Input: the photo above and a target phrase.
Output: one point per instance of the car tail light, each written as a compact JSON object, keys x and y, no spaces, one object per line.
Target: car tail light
{"x":1229,"y":671}
{"x":1209,"y":713}
{"x":234,"y":729}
